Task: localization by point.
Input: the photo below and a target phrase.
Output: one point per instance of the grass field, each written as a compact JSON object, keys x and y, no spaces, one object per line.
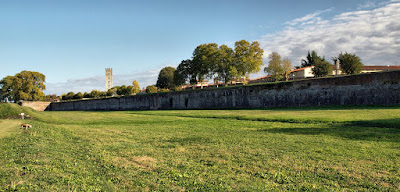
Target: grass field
{"x":326,"y":149}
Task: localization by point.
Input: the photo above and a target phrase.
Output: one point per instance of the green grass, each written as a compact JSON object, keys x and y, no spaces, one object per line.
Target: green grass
{"x":326,"y":149}
{"x":11,"y":110}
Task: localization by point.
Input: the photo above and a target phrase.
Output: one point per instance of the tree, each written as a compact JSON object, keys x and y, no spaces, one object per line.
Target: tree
{"x":166,"y":78}
{"x":350,"y":63}
{"x":95,"y":94}
{"x":183,"y":73}
{"x":136,"y":87}
{"x":311,"y":59}
{"x":322,"y":68}
{"x":248,"y":57}
{"x":78,"y":96}
{"x":274,"y":68}
{"x":70,"y":95}
{"x":26,"y":85}
{"x":151,"y":89}
{"x":286,"y":67}
{"x":122,"y":90}
{"x":110,"y":92}
{"x":224,"y":65}
{"x":204,"y":61}
{"x":86,"y":95}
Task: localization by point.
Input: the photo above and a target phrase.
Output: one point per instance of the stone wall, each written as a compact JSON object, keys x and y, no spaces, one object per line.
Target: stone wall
{"x":363,"y":89}
{"x":36,"y":105}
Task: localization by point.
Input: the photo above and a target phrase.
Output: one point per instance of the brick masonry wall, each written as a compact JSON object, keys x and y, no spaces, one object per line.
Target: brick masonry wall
{"x":363,"y":89}
{"x":37,"y":105}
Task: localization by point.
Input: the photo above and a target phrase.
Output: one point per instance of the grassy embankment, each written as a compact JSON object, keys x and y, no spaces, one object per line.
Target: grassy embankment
{"x":208,"y":150}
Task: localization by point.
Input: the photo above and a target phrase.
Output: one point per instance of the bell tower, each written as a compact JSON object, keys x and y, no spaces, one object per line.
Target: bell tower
{"x":109,"y":78}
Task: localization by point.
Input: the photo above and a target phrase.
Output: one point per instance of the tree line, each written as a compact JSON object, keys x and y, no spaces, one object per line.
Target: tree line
{"x":349,"y":63}
{"x":211,"y":61}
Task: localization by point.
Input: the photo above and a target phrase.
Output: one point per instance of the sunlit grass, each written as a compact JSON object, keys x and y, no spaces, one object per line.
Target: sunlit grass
{"x":207,"y":150}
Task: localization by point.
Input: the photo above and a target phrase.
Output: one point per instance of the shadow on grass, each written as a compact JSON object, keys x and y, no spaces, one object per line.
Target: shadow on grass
{"x":383,"y":123}
{"x":346,"y":131}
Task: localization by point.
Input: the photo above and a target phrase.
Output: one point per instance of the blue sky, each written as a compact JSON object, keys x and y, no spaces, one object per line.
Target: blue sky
{"x":72,"y":42}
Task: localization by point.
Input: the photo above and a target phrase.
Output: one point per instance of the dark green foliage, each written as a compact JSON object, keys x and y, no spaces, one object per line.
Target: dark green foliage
{"x":26,"y":85}
{"x":122,"y":90}
{"x":322,"y":68}
{"x":95,"y":94}
{"x":225,"y":68}
{"x":183,"y":73}
{"x":248,"y":57}
{"x":78,"y":96}
{"x":221,"y":63}
{"x":311,"y":59}
{"x":86,"y":95}
{"x":350,"y":63}
{"x":166,"y":78}
{"x":151,"y":89}
{"x":204,"y":61}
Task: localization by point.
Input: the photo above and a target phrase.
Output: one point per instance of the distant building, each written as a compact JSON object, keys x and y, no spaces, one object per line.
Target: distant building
{"x":370,"y":69}
{"x":109,"y":78}
{"x":301,"y":73}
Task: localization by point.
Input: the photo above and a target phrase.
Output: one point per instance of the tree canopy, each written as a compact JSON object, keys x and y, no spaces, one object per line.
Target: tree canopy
{"x":151,"y":89}
{"x":275,"y":68}
{"x":135,"y":87}
{"x":322,"y":68}
{"x":248,"y":57}
{"x":26,"y":85}
{"x":311,"y":59}
{"x":184,"y":72}
{"x":350,"y":63}
{"x":286,"y":67}
{"x":166,"y":78}
{"x":220,"y":62}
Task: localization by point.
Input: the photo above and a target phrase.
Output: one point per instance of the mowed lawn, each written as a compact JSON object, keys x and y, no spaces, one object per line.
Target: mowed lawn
{"x":326,"y":149}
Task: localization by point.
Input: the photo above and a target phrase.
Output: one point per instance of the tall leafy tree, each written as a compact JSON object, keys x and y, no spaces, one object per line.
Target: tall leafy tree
{"x":224,"y":65}
{"x":248,"y":57}
{"x":135,"y":87}
{"x":26,"y":85}
{"x":166,"y":78}
{"x":350,"y":63}
{"x":275,"y":68}
{"x":204,"y":61}
{"x":311,"y":59}
{"x":321,"y":68}
{"x":286,"y":67}
{"x":184,"y":73}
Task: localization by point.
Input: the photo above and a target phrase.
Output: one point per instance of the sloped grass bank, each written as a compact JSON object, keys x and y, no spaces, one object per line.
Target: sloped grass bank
{"x":207,"y":150}
{"x":12,"y":110}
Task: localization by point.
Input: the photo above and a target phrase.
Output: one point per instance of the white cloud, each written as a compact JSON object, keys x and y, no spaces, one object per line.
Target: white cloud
{"x":308,"y":19}
{"x":373,"y":35}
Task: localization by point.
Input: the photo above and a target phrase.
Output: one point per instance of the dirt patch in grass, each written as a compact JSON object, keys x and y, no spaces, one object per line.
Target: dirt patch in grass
{"x":143,"y":162}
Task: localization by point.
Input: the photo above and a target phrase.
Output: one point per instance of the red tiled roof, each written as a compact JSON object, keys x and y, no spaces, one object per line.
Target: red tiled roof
{"x":300,"y":69}
{"x":265,"y":77}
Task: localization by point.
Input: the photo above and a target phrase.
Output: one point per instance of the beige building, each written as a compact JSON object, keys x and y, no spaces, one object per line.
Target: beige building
{"x":301,"y":73}
{"x":109,"y":78}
